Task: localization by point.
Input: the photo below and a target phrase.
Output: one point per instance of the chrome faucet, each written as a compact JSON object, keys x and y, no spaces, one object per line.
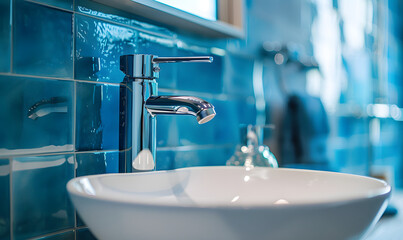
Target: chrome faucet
{"x":139,"y":105}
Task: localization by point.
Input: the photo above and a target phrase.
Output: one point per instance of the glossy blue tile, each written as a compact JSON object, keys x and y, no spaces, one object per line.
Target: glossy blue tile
{"x":97,"y":163}
{"x":226,"y":122}
{"x":105,"y":41}
{"x":4,"y":199}
{"x":64,"y":4}
{"x":97,"y":117}
{"x":40,"y":201}
{"x":202,"y":157}
{"x":60,"y":236}
{"x":84,"y":234}
{"x":43,"y":43}
{"x":351,"y":126}
{"x":184,"y":130}
{"x":238,"y":79}
{"x":37,"y":115}
{"x":5,"y":28}
{"x":162,"y":47}
{"x":92,"y":8}
{"x":165,"y":160}
{"x":200,"y":77}
{"x":246,"y":110}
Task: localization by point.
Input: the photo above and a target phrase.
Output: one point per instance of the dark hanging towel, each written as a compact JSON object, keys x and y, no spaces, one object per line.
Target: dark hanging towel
{"x":304,"y":134}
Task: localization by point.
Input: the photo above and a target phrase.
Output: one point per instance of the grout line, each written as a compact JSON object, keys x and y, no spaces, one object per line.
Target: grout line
{"x":58,"y":78}
{"x":82,"y":227}
{"x":38,"y":154}
{"x":11,"y":36}
{"x":75,"y":110}
{"x":75,"y":83}
{"x":195,"y":147}
{"x":99,"y":151}
{"x":171,"y":148}
{"x":75,"y":210}
{"x":60,"y":153}
{"x":52,"y":234}
{"x":74,"y":132}
{"x":50,"y":6}
{"x":10,"y":161}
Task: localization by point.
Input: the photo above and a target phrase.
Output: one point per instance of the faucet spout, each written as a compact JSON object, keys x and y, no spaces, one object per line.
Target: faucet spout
{"x":139,"y":105}
{"x":184,"y":105}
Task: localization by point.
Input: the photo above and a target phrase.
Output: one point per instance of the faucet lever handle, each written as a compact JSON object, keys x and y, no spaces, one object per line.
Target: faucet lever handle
{"x":208,"y":59}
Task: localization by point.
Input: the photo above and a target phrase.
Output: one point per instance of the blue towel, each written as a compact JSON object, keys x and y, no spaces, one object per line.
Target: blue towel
{"x":305,"y":132}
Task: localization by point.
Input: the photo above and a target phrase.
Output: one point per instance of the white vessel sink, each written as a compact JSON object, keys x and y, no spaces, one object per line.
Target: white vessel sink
{"x":221,"y":203}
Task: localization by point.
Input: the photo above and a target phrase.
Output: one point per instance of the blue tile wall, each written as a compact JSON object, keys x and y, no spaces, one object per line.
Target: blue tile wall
{"x":96,"y":10}
{"x":184,"y":130}
{"x":173,"y":159}
{"x":97,"y":117}
{"x":5,"y":28}
{"x":202,"y":157}
{"x":60,"y":88}
{"x":84,"y":234}
{"x":61,"y":236}
{"x":97,"y":163}
{"x":103,"y":40}
{"x":44,"y":207}
{"x":209,"y":80}
{"x":5,"y":199}
{"x":42,"y":41}
{"x":238,"y":79}
{"x":166,"y":46}
{"x":47,"y":128}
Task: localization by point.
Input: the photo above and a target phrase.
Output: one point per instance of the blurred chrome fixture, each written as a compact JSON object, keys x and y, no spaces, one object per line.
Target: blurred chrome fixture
{"x":283,"y":54}
{"x":197,"y":107}
{"x":140,"y":103}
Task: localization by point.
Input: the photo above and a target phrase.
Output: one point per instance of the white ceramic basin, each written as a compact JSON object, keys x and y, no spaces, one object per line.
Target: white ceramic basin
{"x":231,"y":203}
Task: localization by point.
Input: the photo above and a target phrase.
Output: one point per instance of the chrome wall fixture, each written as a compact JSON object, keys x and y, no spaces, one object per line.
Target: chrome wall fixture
{"x":140,"y":103}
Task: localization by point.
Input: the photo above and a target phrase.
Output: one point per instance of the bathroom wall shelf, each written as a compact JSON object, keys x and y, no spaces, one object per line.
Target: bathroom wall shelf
{"x":176,"y":19}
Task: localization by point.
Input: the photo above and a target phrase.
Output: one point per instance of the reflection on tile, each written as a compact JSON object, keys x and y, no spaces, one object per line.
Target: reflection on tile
{"x":61,"y":236}
{"x":47,"y":128}
{"x":4,"y":199}
{"x":162,"y":47}
{"x":97,"y":113}
{"x":200,"y":77}
{"x":65,"y":4}
{"x":106,"y":41}
{"x":50,"y":31}
{"x":5,"y":36}
{"x":239,"y":75}
{"x":165,"y":160}
{"x":97,"y":163}
{"x":184,"y":130}
{"x":226,"y":122}
{"x":202,"y":157}
{"x":95,"y":9}
{"x":40,"y":201}
{"x":84,"y":234}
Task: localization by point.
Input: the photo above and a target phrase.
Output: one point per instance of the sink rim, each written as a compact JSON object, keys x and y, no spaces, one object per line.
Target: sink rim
{"x":384,"y":190}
